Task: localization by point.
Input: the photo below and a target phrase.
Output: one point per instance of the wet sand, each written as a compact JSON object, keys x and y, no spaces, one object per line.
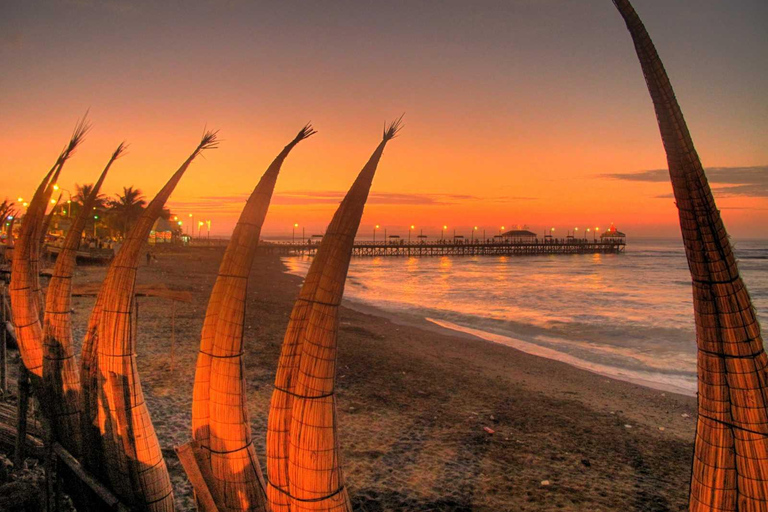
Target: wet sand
{"x":415,"y":401}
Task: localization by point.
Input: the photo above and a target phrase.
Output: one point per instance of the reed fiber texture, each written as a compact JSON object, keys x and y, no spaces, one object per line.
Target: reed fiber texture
{"x":303,"y":460}
{"x":24,"y":289}
{"x":730,"y":463}
{"x":134,"y":462}
{"x":61,"y":378}
{"x":220,"y":422}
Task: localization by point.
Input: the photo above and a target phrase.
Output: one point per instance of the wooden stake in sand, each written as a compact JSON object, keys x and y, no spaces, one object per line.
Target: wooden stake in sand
{"x":303,"y":460}
{"x":730,"y":464}
{"x":21,"y":415}
{"x":4,"y":345}
{"x":131,"y":451}
{"x":173,"y":332}
{"x":221,"y":430}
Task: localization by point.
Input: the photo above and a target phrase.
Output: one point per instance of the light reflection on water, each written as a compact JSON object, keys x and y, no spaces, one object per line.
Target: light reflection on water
{"x":627,"y":315}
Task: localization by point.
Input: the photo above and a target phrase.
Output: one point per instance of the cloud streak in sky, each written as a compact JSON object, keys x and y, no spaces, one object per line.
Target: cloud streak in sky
{"x":726,"y":181}
{"x":230,"y":203}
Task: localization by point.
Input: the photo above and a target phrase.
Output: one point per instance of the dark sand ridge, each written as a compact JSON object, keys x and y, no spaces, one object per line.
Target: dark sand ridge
{"x":413,"y":404}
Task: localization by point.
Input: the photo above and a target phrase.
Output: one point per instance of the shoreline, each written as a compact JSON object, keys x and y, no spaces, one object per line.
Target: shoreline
{"x":449,"y":329}
{"x":445,"y":327}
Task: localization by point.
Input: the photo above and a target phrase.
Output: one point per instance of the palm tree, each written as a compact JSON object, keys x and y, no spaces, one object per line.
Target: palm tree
{"x":126,"y":208}
{"x":78,"y":200}
{"x":6,"y":211}
{"x":83,"y":191}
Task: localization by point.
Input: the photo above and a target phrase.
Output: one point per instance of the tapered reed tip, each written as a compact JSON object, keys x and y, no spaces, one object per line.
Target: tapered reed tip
{"x":78,"y":135}
{"x":304,"y":133}
{"x":391,"y":131}
{"x":120,"y":151}
{"x":210,"y":140}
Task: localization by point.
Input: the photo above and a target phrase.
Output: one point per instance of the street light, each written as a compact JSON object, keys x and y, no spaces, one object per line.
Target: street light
{"x":442,"y":232}
{"x":374,"y":233}
{"x":473,"y":234}
{"x":409,"y":232}
{"x":199,"y":227}
{"x":293,"y":232}
{"x":69,"y":201}
{"x":208,"y":223}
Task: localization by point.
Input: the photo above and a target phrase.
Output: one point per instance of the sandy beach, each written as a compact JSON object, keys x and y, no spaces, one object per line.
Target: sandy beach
{"x":429,"y":419}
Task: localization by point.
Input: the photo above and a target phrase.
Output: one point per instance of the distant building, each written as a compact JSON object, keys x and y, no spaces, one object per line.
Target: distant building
{"x":519,"y":235}
{"x":163,"y":232}
{"x":613,"y":235}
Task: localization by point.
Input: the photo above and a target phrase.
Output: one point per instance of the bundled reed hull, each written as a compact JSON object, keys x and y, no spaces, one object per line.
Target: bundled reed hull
{"x":131,"y":452}
{"x":220,"y":416}
{"x":47,"y":221}
{"x":24,"y":290}
{"x":61,"y":378}
{"x":304,"y":466}
{"x":91,"y":452}
{"x":730,"y":465}
{"x":24,"y":304}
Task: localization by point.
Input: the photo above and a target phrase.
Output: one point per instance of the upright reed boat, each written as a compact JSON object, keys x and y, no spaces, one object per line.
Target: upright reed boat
{"x":730,"y":463}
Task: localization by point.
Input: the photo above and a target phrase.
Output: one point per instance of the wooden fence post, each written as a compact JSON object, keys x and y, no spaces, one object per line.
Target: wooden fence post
{"x":3,"y":347}
{"x":49,"y":468}
{"x":21,"y":415}
{"x":173,"y":330}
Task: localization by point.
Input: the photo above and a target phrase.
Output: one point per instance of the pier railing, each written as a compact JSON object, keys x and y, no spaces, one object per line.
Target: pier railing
{"x":456,"y":248}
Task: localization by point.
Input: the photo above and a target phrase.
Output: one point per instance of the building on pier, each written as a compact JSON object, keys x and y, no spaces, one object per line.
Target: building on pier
{"x":613,"y":235}
{"x":519,"y":235}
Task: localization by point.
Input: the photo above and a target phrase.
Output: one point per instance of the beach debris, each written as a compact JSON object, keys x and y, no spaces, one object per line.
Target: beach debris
{"x":685,"y":415}
{"x":130,"y":451}
{"x":545,"y":483}
{"x":489,"y":430}
{"x":662,"y":429}
{"x":731,"y":443}
{"x":303,"y":459}
{"x":627,"y":426}
{"x":221,"y":431}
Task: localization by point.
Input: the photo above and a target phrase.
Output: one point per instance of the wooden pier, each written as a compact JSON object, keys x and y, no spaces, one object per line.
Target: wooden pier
{"x":458,"y":248}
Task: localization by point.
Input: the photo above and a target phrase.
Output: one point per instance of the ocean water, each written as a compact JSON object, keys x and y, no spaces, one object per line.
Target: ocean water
{"x":628,"y":316}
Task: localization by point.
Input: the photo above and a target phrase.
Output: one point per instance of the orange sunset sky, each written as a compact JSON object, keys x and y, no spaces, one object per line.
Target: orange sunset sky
{"x":516,"y":111}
